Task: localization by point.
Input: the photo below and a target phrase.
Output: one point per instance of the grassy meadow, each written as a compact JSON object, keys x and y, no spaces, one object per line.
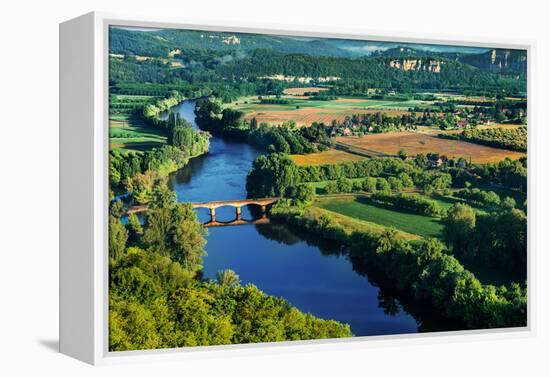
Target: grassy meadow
{"x":126,"y":129}
{"x":386,"y":216}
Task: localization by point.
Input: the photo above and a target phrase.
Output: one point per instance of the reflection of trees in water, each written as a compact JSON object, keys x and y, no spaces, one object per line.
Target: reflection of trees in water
{"x":388,"y":303}
{"x":287,"y":235}
{"x":390,"y":300}
{"x":185,"y":174}
{"x":278,"y":232}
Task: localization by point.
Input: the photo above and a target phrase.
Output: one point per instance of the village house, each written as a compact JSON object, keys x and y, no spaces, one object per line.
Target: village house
{"x":434,"y":161}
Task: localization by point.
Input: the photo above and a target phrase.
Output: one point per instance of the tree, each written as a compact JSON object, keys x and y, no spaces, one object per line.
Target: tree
{"x":135,"y":229}
{"x":187,"y":236}
{"x":369,"y":184}
{"x":459,"y":227}
{"x":421,"y":161}
{"x":331,"y":187}
{"x":118,"y":235}
{"x":301,"y":194}
{"x":508,"y":203}
{"x":402,"y":154}
{"x":141,"y":185}
{"x":442,"y":181}
{"x":117,"y":208}
{"x":228,"y":278}
{"x":382,"y":185}
{"x":253,"y":123}
{"x":271,"y":175}
{"x":231,"y":118}
{"x":430,"y":251}
{"x":162,"y":197}
{"x":157,"y":230}
{"x":395,"y":183}
{"x":344,"y":185}
{"x":182,"y":137}
{"x":406,"y":180}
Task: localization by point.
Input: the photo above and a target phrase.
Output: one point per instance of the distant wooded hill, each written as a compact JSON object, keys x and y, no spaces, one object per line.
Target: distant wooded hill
{"x":238,"y":57}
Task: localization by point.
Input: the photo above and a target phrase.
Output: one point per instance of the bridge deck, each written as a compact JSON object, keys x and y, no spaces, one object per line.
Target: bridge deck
{"x":234,"y":203}
{"x":214,"y":204}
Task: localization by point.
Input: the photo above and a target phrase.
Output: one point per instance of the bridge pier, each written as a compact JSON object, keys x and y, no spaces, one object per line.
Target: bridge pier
{"x":238,"y":213}
{"x":264,"y":211}
{"x":212,"y":214}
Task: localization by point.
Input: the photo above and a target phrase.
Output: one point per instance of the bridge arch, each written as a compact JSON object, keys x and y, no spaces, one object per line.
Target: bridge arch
{"x":237,"y":204}
{"x":263,"y":203}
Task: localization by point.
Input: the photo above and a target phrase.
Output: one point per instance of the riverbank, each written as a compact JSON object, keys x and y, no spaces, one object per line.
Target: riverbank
{"x":139,"y":170}
{"x":420,"y":270}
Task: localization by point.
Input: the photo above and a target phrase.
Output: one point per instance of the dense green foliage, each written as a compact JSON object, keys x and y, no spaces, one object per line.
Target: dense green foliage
{"x":176,"y":232}
{"x":497,"y":239}
{"x":439,"y":279}
{"x":391,"y":174}
{"x":158,"y":300}
{"x":412,"y":203}
{"x":125,"y":166}
{"x":483,"y":198}
{"x":271,"y":175}
{"x":375,"y":174}
{"x":510,"y":173}
{"x":156,"y":303}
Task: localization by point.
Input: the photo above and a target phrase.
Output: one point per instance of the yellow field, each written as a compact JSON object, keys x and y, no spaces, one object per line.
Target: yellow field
{"x":507,"y":126}
{"x":308,"y":115}
{"x":415,"y":143}
{"x":332,"y":156}
{"x":301,"y":91}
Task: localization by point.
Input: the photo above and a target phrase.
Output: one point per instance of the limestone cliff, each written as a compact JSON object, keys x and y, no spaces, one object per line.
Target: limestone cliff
{"x":499,"y":60}
{"x":417,"y":64}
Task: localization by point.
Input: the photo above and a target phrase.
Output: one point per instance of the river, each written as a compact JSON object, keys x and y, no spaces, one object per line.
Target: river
{"x":311,"y":274}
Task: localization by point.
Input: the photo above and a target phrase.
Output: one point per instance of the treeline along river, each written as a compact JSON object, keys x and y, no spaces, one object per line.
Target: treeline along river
{"x":312,"y":275}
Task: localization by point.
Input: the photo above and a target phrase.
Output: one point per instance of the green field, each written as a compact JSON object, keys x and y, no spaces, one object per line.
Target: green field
{"x":133,"y":134}
{"x":361,"y":209}
{"x":126,"y":129}
{"x":125,"y":105}
{"x":343,"y":103}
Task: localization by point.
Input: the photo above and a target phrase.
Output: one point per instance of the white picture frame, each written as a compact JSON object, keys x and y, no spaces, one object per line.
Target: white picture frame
{"x":83,"y":179}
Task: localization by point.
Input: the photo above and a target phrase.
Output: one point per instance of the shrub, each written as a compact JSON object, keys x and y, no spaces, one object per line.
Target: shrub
{"x":412,"y":203}
{"x":488,"y":199}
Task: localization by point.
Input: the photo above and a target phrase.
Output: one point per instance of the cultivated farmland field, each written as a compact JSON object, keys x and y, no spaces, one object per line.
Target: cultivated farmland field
{"x":301,"y":91}
{"x":305,"y":111}
{"x":415,"y":143}
{"x":126,"y":129}
{"x":332,"y":156}
{"x":128,"y":132}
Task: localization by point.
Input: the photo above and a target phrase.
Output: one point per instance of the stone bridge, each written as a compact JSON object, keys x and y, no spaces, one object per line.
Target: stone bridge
{"x":237,"y":204}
